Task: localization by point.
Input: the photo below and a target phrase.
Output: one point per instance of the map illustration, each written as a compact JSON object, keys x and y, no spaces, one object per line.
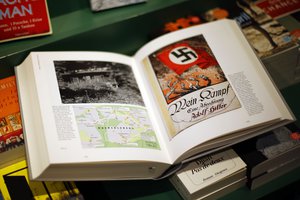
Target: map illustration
{"x":103,"y":126}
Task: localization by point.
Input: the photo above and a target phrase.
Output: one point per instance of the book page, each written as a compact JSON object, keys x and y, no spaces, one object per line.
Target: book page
{"x":93,"y":109}
{"x":207,"y":82}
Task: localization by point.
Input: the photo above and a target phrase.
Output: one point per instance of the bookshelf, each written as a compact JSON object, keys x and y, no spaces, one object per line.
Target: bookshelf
{"x":124,"y":30}
{"x":76,"y":27}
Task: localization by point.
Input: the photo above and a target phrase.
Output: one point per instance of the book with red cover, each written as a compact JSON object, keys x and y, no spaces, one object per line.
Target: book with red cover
{"x":278,"y":8}
{"x":23,"y":19}
{"x":11,"y":130}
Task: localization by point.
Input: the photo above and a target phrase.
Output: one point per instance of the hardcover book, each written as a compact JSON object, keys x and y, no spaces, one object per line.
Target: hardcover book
{"x":181,"y":96}
{"x":98,"y":5}
{"x":202,"y":177}
{"x":23,"y":19}
{"x":11,"y":132}
{"x":14,"y":185}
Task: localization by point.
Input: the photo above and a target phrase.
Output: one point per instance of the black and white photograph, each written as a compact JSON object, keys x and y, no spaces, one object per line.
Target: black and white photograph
{"x":96,"y":82}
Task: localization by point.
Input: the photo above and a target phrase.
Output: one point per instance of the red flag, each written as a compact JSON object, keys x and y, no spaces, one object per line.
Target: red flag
{"x":182,"y":56}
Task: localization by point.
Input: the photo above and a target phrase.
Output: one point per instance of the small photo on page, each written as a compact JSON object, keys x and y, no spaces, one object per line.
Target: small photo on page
{"x":96,"y":82}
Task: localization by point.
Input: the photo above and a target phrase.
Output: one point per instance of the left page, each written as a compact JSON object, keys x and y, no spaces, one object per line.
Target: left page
{"x":91,"y":107}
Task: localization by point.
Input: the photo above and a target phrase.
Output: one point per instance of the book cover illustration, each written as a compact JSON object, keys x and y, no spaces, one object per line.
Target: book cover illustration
{"x":192,"y":82}
{"x":266,"y":35}
{"x":107,"y":104}
{"x":11,"y":132}
{"x":15,"y":184}
{"x":23,"y":19}
{"x":97,"y":5}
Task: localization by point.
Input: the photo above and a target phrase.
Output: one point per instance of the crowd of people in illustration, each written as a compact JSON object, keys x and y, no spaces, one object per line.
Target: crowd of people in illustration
{"x":11,"y":135}
{"x":11,"y":142}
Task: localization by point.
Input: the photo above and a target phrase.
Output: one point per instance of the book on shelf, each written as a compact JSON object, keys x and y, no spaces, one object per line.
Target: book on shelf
{"x":11,"y":131}
{"x":266,"y":35}
{"x":99,"y":5}
{"x":201,"y":178}
{"x":271,"y":40}
{"x":182,"y":95}
{"x":24,"y":19}
{"x":15,"y":184}
{"x":271,"y":154}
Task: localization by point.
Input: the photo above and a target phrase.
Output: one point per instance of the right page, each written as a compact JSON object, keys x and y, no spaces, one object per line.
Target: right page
{"x":206,"y":82}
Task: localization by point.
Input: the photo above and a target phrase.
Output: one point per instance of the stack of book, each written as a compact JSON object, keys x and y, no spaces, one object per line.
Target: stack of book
{"x":211,"y":176}
{"x":270,"y":155}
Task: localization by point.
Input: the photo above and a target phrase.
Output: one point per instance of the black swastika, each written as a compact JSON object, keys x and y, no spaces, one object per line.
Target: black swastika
{"x":185,"y":53}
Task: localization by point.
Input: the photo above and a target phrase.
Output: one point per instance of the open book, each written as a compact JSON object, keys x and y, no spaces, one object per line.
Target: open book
{"x":101,"y":115}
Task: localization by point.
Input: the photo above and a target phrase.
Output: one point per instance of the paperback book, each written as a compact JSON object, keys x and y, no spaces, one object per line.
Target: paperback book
{"x":11,"y":131}
{"x":24,"y":19}
{"x":202,"y":178}
{"x":181,"y":96}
